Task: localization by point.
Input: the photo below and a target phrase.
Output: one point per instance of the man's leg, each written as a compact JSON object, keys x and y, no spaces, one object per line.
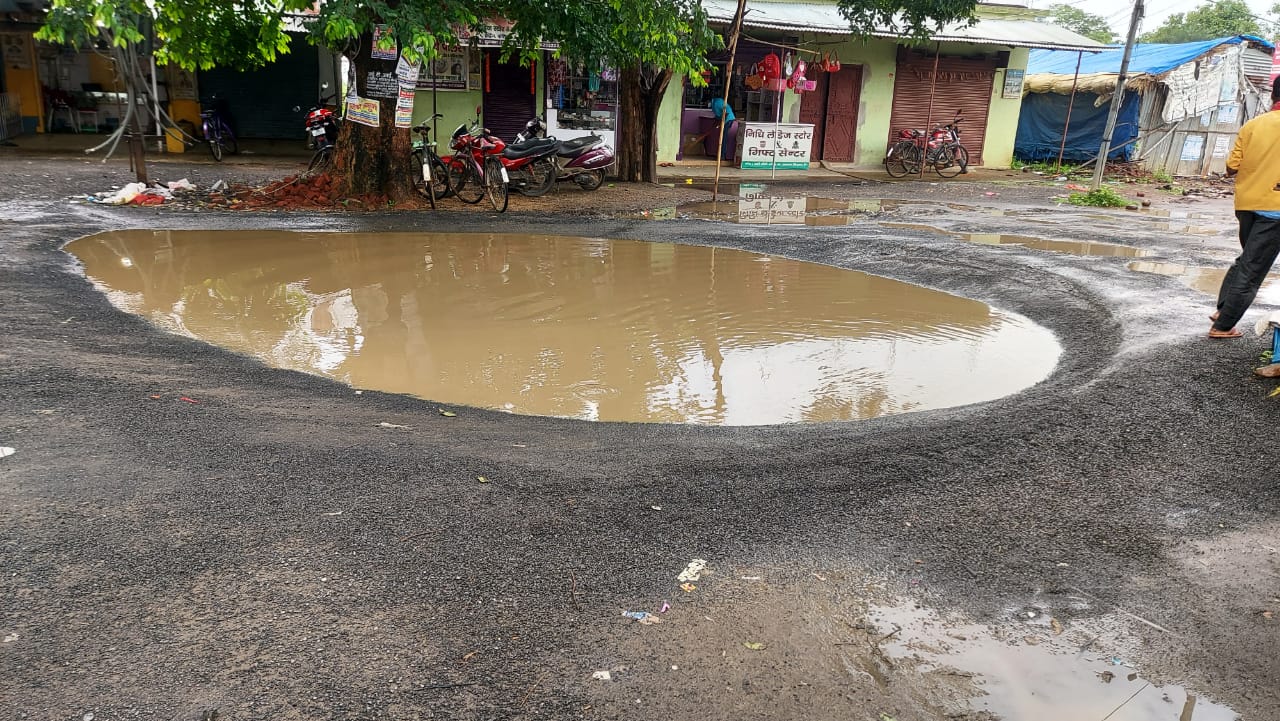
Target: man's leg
{"x":1245,"y":218}
{"x":1246,"y":275}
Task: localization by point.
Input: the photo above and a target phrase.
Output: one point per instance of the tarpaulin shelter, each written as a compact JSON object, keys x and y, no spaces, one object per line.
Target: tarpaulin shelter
{"x":1183,"y":103}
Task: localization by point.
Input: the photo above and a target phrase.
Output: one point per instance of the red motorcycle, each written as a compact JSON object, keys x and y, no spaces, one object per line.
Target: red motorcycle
{"x":529,"y":166}
{"x":941,"y":150}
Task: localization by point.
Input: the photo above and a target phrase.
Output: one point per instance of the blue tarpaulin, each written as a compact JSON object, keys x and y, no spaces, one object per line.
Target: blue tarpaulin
{"x":1043,"y":114}
{"x":1151,"y":58}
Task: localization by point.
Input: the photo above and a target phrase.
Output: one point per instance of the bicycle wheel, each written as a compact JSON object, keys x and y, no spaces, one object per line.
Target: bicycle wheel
{"x":215,"y":142}
{"x":465,"y":180}
{"x":542,"y":177}
{"x":951,"y":161}
{"x":439,"y":176}
{"x":423,"y":182}
{"x":228,"y":139}
{"x":320,"y":160}
{"x":496,"y":185}
{"x":895,"y":163}
{"x":913,"y":159}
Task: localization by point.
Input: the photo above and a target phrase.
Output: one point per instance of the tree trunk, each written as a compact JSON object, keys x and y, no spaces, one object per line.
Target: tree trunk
{"x":375,"y":161}
{"x":640,"y":98}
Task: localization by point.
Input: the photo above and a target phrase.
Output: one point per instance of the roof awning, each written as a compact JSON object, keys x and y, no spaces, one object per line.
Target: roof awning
{"x":824,"y":18}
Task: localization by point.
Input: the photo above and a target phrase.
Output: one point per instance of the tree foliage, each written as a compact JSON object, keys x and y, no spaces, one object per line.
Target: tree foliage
{"x":1217,"y":19}
{"x":1094,"y":27}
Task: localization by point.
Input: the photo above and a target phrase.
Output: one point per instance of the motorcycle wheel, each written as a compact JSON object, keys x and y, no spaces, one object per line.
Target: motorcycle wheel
{"x":495,"y":187}
{"x":590,"y":180}
{"x":952,"y":161}
{"x":320,"y":160}
{"x":542,"y":177}
{"x":464,"y":180}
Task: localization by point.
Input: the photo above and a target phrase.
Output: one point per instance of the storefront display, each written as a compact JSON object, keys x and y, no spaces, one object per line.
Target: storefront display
{"x":582,"y":99}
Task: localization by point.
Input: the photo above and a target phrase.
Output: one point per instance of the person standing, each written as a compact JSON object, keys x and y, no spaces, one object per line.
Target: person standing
{"x":1255,"y":161}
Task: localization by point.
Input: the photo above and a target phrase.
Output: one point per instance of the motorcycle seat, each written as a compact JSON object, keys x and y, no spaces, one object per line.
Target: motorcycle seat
{"x":570,"y":148}
{"x":538,"y":146}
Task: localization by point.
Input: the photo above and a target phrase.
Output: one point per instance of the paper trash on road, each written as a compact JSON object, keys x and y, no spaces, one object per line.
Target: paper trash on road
{"x":692,"y":571}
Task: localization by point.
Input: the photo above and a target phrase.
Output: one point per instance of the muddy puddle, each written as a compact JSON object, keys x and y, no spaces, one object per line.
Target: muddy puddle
{"x":1073,"y":247}
{"x":609,"y":330}
{"x":1038,"y":667}
{"x":1205,"y":280}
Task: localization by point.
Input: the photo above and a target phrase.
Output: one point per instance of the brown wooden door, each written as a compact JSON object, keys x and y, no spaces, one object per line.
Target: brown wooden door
{"x":843,"y":91}
{"x":813,"y":111}
{"x":964,"y":84}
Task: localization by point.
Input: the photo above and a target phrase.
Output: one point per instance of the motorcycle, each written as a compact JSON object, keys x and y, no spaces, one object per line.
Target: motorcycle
{"x":582,"y":160}
{"x":321,"y":126}
{"x":530,"y":165}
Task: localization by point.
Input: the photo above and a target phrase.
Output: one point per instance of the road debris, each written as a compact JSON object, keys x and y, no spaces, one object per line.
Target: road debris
{"x":754,"y":645}
{"x":482,"y":479}
{"x":688,"y":587}
{"x":644,"y":617}
{"x":602,"y":676}
{"x":395,"y":426}
{"x":7,"y":451}
{"x":447,"y":414}
{"x":692,"y":571}
{"x":11,"y":637}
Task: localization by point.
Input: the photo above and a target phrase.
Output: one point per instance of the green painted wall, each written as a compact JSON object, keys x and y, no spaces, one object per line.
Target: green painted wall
{"x":459,"y":107}
{"x":1002,"y":121}
{"x":669,"y":121}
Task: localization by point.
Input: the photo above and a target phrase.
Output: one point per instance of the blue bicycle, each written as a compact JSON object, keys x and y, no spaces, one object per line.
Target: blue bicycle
{"x":217,"y":131}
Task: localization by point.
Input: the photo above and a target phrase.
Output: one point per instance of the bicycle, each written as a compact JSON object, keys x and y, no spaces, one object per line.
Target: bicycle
{"x":431,"y":176}
{"x":942,"y":151}
{"x":217,"y":131}
{"x":474,"y":172}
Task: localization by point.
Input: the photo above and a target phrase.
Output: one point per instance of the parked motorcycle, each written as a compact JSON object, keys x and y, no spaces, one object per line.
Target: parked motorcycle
{"x":582,"y":160}
{"x":530,"y":165}
{"x":322,"y":129}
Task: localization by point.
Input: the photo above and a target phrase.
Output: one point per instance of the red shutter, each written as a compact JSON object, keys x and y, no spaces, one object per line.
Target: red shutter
{"x":964,"y":84}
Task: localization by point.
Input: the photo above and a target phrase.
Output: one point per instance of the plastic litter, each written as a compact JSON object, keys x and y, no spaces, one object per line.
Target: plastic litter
{"x":11,"y":637}
{"x":754,"y":645}
{"x":602,"y":676}
{"x":665,"y":607}
{"x":396,"y":426}
{"x":644,"y":617}
{"x":482,"y":479}
{"x":183,"y":184}
{"x":692,"y":571}
{"x":6,"y":451}
{"x":185,"y":399}
{"x":121,"y":196}
{"x":220,"y":185}
{"x":688,"y":587}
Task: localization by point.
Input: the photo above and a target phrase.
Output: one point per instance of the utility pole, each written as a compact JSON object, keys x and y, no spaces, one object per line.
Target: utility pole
{"x":1100,"y":165}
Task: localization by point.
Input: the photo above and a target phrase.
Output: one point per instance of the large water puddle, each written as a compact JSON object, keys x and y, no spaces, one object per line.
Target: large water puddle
{"x":609,"y":330}
{"x":1072,"y":247}
{"x":1204,"y":279}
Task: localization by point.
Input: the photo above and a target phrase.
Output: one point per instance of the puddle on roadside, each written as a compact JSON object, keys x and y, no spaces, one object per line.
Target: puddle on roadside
{"x":1073,"y":247}
{"x":596,"y":329}
{"x":757,"y":204}
{"x":1037,"y":669}
{"x":1203,"y":279}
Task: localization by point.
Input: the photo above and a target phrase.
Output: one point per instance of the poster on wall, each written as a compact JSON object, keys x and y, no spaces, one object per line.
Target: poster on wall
{"x":1013,"y":83}
{"x":1192,"y":147}
{"x":381,"y":38}
{"x":1229,"y":113}
{"x":406,"y":71}
{"x":448,"y":71}
{"x":15,"y":50}
{"x":1220,"y":146}
{"x":363,"y":111}
{"x":182,"y":83}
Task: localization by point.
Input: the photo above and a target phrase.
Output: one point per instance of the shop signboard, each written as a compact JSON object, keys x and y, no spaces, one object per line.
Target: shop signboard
{"x":766,"y":146}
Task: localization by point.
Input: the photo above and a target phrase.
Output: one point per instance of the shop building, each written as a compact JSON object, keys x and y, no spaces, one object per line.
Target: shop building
{"x":881,"y":84}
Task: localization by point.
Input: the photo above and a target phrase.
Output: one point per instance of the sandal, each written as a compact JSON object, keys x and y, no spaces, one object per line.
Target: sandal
{"x":1224,"y":334}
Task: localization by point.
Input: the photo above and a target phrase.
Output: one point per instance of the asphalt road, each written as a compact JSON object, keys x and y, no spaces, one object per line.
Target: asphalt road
{"x":273,"y":553}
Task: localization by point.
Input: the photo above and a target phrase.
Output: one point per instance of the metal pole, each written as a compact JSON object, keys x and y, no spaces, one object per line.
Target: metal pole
{"x":928,"y":124}
{"x":155,"y":106}
{"x":734,"y":32}
{"x":1100,"y":166}
{"x":1067,"y":125}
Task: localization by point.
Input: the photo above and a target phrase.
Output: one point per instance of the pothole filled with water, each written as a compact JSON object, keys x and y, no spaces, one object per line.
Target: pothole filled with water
{"x":609,"y":330}
{"x":1072,"y":247}
{"x":1204,"y":279}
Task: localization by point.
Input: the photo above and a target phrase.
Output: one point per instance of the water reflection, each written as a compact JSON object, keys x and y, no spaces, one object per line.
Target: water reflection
{"x":1203,"y":279}
{"x":1073,"y":247}
{"x":576,"y":327}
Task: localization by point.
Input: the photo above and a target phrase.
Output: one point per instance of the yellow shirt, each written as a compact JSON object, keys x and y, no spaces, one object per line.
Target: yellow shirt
{"x":1256,"y":157}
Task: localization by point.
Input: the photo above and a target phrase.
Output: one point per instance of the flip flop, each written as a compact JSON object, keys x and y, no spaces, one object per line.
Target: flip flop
{"x":1224,"y":334}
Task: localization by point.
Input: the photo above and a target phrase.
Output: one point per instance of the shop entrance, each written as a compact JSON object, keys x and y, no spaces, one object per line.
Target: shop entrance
{"x":832,"y":109}
{"x":508,"y":95}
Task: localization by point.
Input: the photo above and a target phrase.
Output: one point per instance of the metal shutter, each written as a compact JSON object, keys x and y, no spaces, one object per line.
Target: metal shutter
{"x":963,"y":83}
{"x":508,"y":96}
{"x":261,"y":101}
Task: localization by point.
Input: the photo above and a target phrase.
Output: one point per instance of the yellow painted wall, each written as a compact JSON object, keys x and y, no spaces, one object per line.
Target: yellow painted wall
{"x":103,"y":72}
{"x":1002,"y":121}
{"x":25,"y":84}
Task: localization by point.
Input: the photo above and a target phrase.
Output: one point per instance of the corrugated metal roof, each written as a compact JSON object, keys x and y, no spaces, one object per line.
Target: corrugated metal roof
{"x":825,"y":18}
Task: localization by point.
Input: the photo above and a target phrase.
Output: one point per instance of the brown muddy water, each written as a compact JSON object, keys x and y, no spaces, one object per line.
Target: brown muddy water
{"x":609,"y":330}
{"x":1072,"y":247}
